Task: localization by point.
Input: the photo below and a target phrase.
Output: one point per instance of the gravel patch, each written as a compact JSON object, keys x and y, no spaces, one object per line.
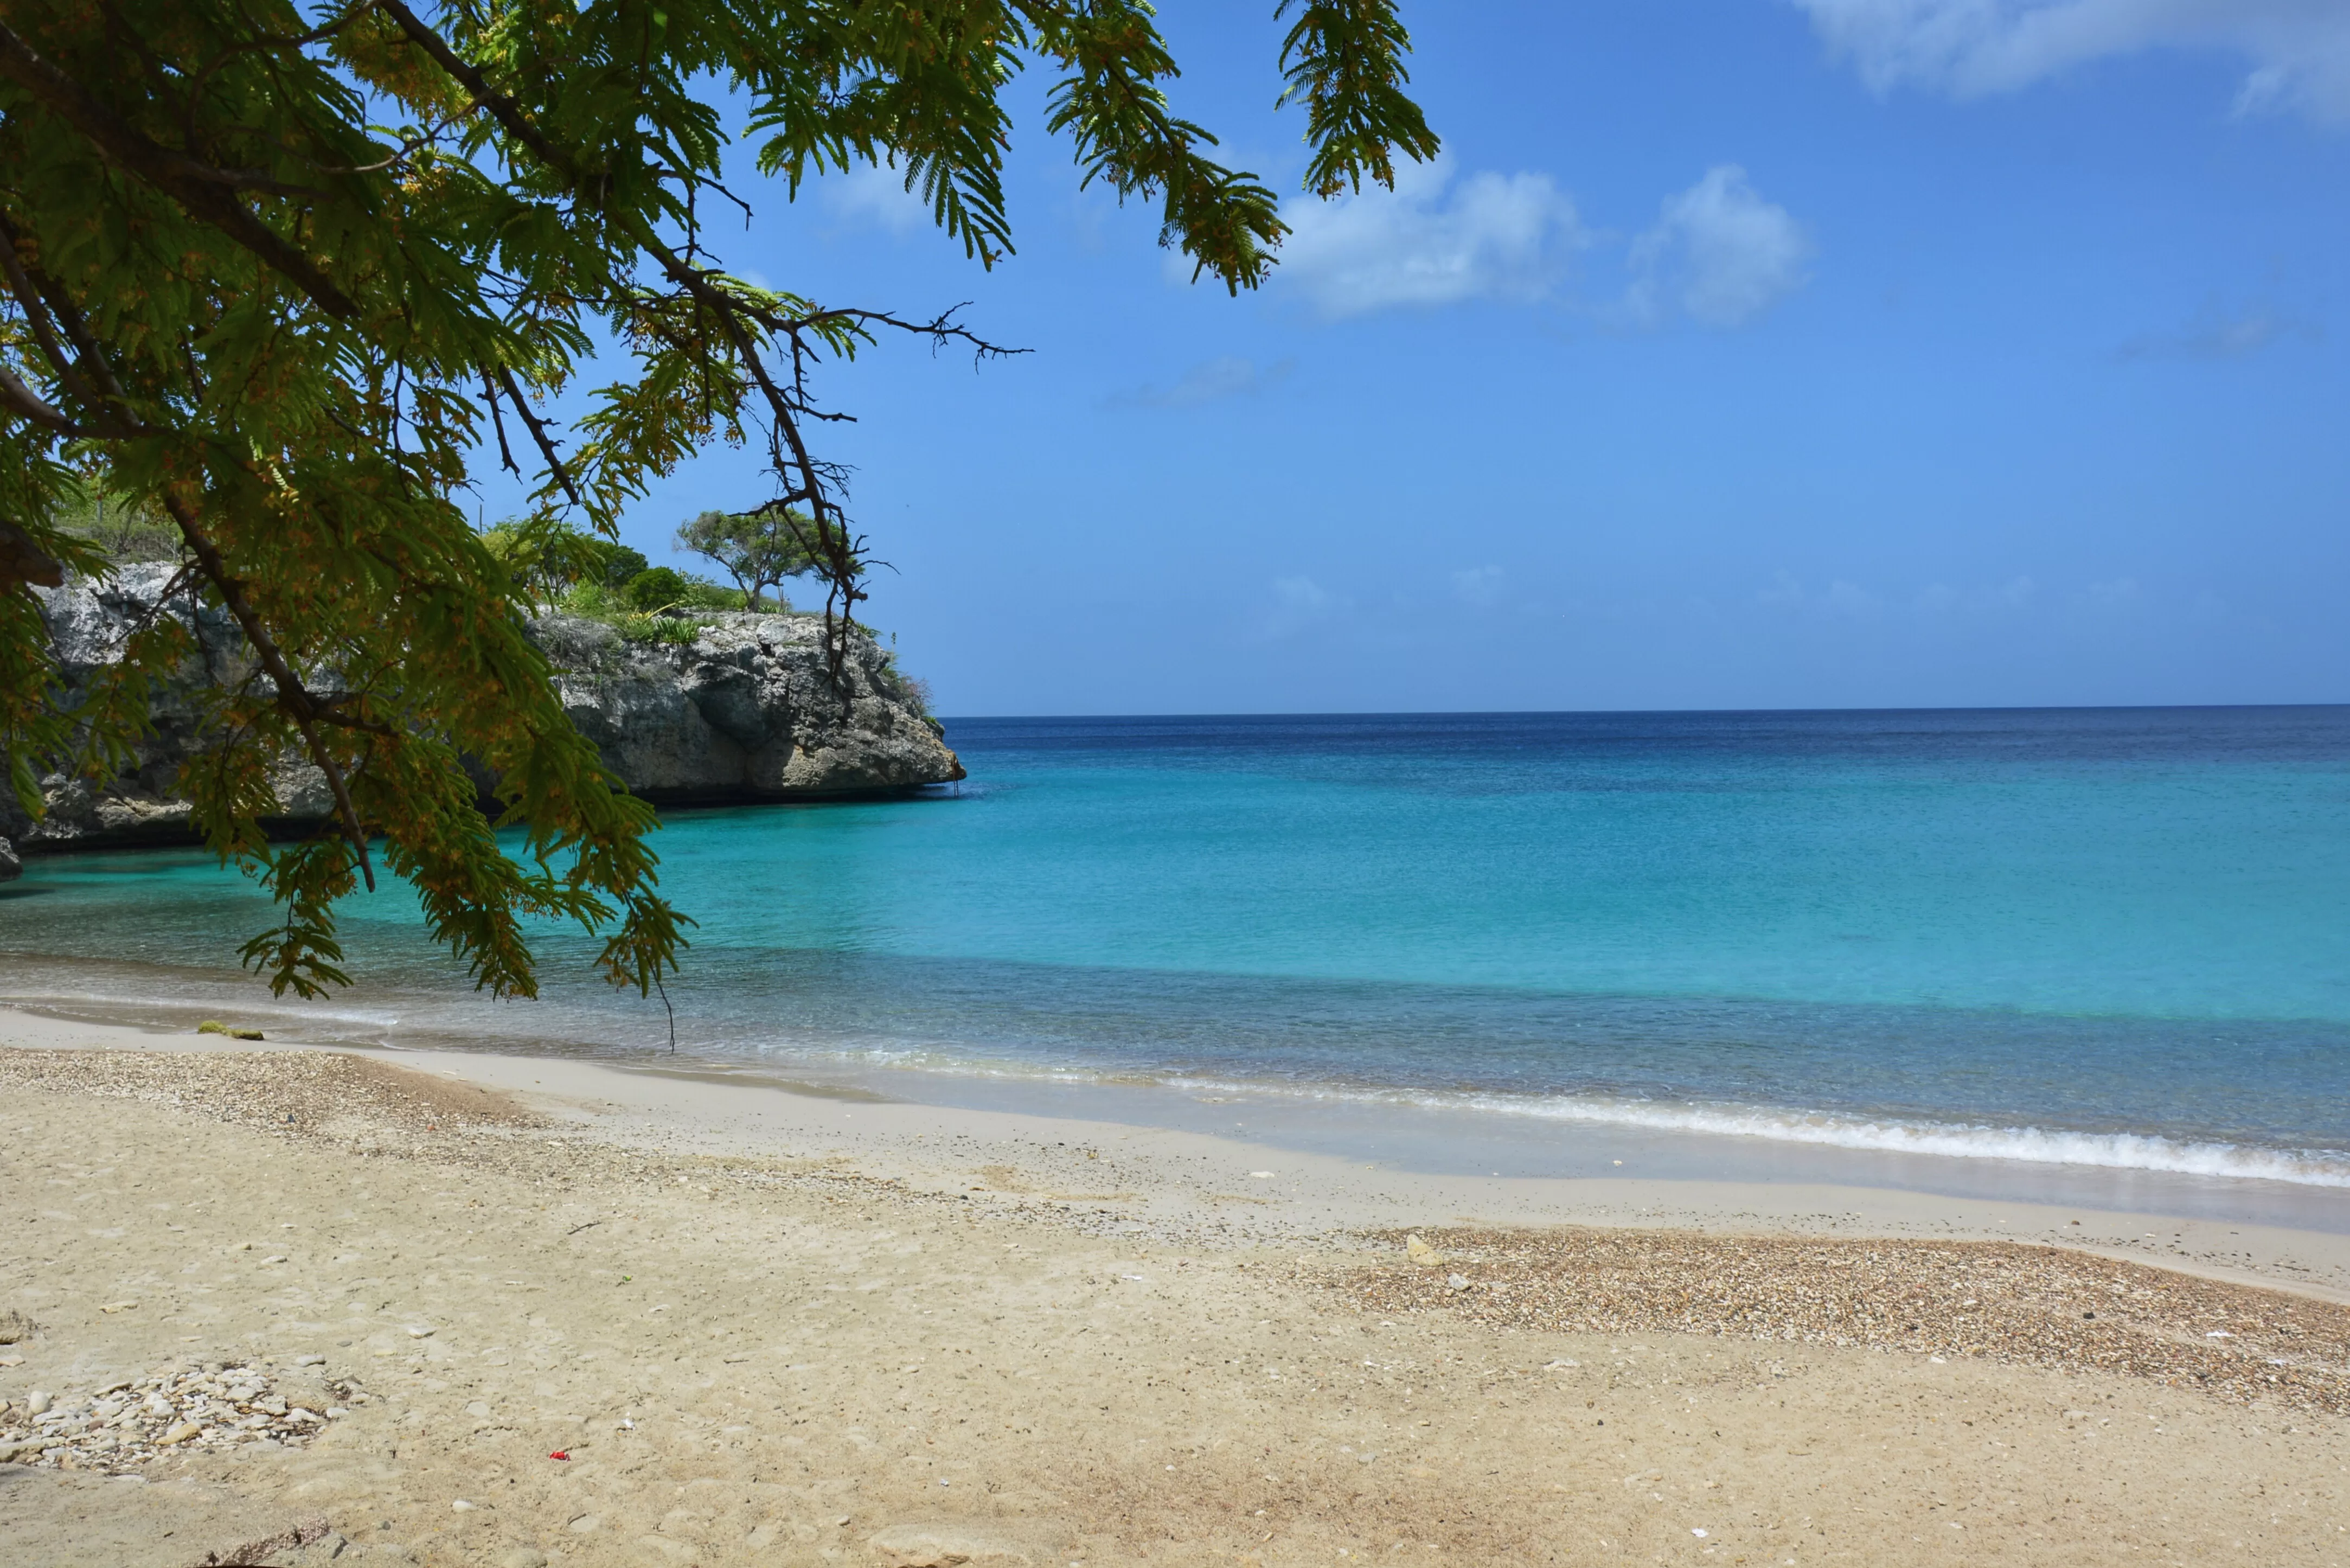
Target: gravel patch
{"x":188,"y":1408}
{"x":277,"y":1091}
{"x":2039,"y":1306}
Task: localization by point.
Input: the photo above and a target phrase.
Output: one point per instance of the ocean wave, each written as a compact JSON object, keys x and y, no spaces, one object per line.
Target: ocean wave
{"x":2149,"y":1152}
{"x":1952,"y":1140}
{"x":112,"y":1007}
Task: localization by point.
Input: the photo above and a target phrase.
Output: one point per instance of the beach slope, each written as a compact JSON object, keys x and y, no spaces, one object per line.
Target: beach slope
{"x":323,"y":1307}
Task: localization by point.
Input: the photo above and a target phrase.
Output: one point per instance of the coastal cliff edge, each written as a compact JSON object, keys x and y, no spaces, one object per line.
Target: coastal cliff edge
{"x":747,"y":711}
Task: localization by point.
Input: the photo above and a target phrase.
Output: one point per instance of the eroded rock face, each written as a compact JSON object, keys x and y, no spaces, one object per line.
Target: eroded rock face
{"x":88,"y":623}
{"x":746,"y":712}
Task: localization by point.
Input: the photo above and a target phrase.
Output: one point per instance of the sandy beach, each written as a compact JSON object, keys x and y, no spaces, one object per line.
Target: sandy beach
{"x":296,"y":1305}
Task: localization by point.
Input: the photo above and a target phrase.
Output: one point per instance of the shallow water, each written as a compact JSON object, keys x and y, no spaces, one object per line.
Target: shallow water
{"x":2113,"y":939}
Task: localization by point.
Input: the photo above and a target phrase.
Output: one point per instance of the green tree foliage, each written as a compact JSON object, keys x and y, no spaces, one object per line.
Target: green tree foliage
{"x":656,"y":588}
{"x":545,"y":557}
{"x":623,"y":564}
{"x":760,"y":550}
{"x":286,"y":272}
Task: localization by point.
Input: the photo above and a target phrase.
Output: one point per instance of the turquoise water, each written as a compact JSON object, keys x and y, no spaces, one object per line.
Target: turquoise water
{"x":2112,"y":938}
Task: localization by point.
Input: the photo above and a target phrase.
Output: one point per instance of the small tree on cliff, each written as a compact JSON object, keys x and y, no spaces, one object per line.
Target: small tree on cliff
{"x":623,"y":566}
{"x":287,"y":271}
{"x":760,"y":550}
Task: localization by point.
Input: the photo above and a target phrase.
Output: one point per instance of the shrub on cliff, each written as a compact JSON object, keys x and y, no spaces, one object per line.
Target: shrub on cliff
{"x":655,"y":589}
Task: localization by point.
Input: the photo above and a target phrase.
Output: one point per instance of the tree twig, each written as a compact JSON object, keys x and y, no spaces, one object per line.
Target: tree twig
{"x":538,"y":433}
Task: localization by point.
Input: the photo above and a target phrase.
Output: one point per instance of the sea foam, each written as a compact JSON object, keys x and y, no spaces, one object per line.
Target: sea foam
{"x":2047,"y":1146}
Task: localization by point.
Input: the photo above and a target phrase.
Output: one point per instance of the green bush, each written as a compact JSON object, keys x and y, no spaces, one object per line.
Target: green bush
{"x":656,"y":588}
{"x":591,"y":599}
{"x":548,"y":559}
{"x":658,"y":605}
{"x":703,"y":594}
{"x":913,"y":691}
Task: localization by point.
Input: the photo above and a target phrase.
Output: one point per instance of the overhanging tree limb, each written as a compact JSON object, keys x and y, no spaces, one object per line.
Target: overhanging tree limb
{"x":278,"y":267}
{"x":291,"y":693}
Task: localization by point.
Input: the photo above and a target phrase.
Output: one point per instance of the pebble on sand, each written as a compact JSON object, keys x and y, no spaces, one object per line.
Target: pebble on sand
{"x":207,"y":1405}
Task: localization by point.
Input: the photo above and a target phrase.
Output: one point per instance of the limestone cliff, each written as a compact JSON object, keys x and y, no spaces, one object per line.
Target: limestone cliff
{"x":745,"y":713}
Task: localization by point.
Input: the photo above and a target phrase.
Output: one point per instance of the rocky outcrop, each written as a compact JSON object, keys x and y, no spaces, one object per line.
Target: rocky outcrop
{"x":87,"y":624}
{"x":745,"y":713}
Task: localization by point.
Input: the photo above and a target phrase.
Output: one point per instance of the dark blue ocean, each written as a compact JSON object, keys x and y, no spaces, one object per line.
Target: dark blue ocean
{"x":2114,"y":937}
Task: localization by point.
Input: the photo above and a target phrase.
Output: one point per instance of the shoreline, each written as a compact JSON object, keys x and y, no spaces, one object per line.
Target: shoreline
{"x":1272,"y":1189}
{"x":2147,"y":1157}
{"x":448,"y":1310}
{"x":1397,"y":1133}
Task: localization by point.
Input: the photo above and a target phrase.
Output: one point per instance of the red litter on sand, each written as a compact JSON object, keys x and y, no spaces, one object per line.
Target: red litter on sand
{"x":560,"y":1454}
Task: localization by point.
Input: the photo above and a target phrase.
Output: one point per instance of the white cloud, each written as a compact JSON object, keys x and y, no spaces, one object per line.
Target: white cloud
{"x":874,"y":193}
{"x":1844,"y":600}
{"x":1430,"y":241}
{"x":1477,"y":586}
{"x":2015,"y":594}
{"x":1300,"y":606}
{"x":2119,"y":593}
{"x":1211,"y":380}
{"x":1719,"y":252}
{"x":2298,"y":50}
{"x":1302,"y":596}
{"x":2217,"y":333}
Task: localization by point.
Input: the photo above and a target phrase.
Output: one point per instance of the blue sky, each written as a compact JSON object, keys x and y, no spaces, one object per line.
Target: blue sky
{"x":1742,"y":353}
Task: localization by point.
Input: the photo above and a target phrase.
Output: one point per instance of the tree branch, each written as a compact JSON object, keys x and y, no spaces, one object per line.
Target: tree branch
{"x":22,"y":561}
{"x":501,"y":108}
{"x":204,"y":192}
{"x":14,"y":394}
{"x":292,"y":696}
{"x":31,"y":301}
{"x":537,"y":433}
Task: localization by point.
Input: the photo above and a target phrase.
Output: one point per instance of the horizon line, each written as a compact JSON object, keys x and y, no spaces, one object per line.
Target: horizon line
{"x":1652,"y":712}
